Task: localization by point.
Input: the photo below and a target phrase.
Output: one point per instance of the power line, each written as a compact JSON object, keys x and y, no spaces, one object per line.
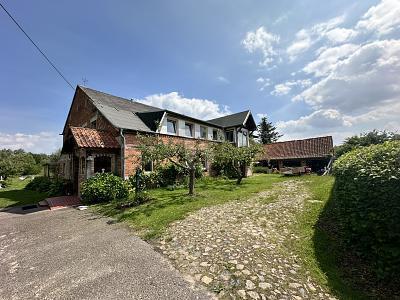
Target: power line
{"x":37,"y":47}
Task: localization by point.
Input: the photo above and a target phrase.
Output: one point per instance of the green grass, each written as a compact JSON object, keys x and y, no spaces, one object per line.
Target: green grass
{"x":317,"y":248}
{"x":15,"y":195}
{"x":151,"y":219}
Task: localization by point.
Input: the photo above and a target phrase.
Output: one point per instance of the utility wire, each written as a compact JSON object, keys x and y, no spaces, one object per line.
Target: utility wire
{"x":37,"y":47}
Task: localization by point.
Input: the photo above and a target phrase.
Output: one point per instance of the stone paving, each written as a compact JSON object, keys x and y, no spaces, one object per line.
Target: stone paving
{"x":239,"y":250}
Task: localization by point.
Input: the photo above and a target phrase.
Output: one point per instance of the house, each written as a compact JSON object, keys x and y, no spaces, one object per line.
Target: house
{"x":314,"y":153}
{"x":101,"y":133}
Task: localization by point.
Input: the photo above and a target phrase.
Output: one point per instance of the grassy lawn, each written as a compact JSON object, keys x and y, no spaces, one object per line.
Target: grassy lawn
{"x":15,"y":195}
{"x":152,"y":218}
{"x":317,"y":248}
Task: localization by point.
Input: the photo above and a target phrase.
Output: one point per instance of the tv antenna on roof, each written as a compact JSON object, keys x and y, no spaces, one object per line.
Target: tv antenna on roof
{"x":84,"y":80}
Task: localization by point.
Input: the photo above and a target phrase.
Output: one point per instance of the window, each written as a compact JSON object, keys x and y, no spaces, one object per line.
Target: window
{"x":83,"y":165}
{"x":229,"y":136}
{"x":148,"y":166}
{"x":102,"y":164}
{"x":188,"y":129}
{"x":203,"y":132}
{"x":215,"y":134}
{"x":171,"y":126}
{"x":242,"y":139}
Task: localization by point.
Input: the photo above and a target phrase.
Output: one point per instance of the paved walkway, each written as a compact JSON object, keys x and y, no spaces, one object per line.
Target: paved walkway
{"x":240,"y":250}
{"x":70,"y":254}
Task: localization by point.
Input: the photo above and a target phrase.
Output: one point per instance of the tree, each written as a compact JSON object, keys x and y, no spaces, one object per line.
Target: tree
{"x":227,"y":155}
{"x":17,"y":162}
{"x":373,"y":137}
{"x":267,"y":131}
{"x":188,"y":157}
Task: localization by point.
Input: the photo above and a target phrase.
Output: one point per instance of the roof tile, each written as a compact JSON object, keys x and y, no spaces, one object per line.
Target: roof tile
{"x":92,"y":138}
{"x":308,"y":148}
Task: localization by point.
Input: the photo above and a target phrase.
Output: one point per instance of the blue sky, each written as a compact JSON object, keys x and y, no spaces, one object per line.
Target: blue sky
{"x":313,"y":69}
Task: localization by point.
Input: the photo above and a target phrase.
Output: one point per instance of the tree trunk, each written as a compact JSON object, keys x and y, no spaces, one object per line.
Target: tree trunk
{"x":192,"y":175}
{"x":239,"y":174}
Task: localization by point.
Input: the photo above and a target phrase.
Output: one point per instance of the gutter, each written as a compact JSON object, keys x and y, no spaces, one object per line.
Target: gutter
{"x":121,"y":134}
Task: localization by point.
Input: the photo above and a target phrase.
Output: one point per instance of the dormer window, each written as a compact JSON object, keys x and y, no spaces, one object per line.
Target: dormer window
{"x":203,"y":132}
{"x":171,"y":126}
{"x":215,"y":135}
{"x":189,"y":129}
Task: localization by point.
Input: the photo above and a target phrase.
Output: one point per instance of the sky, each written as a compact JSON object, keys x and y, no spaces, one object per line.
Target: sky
{"x":312,"y":67}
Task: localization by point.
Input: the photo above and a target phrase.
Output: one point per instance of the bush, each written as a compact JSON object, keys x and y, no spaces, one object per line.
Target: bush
{"x":50,"y":186}
{"x":367,"y":197}
{"x":164,"y":176}
{"x":104,"y":187}
{"x":260,"y":169}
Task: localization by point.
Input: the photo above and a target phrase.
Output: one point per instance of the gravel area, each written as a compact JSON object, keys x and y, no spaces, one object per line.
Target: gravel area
{"x":239,"y":250}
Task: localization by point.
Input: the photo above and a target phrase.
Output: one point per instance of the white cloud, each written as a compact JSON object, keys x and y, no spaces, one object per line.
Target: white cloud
{"x":265,"y":82}
{"x":328,"y":59}
{"x":366,"y":79}
{"x":223,"y":79}
{"x":285,"y":88}
{"x":198,"y":108}
{"x":340,"y":35}
{"x":264,"y":41}
{"x":383,"y":18}
{"x":305,"y":38}
{"x":43,"y":142}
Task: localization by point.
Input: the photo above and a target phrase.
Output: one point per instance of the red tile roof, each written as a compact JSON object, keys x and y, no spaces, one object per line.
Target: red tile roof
{"x":92,"y":138}
{"x":308,"y":148}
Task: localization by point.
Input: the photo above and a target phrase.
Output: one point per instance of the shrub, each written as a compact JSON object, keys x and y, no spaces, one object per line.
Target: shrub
{"x":165,"y":175}
{"x":260,"y":169}
{"x":50,"y":186}
{"x":104,"y":187}
{"x":367,"y":197}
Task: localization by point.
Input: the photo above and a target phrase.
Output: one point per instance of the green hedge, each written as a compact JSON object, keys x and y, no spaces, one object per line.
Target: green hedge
{"x":367,"y":197}
{"x":50,"y":186}
{"x":260,"y":169}
{"x":104,"y":187}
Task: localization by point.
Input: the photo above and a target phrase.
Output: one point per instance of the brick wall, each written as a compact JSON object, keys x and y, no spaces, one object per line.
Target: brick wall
{"x":133,"y":156}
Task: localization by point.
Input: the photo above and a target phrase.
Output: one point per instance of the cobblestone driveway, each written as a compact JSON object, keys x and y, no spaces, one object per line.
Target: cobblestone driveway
{"x":238,"y":250}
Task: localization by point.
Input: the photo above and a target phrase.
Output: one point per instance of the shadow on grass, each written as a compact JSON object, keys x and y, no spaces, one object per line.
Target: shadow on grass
{"x":18,"y":197}
{"x":348,"y":276}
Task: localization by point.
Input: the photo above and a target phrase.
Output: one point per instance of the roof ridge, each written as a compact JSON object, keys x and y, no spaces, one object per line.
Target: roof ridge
{"x":313,"y":138}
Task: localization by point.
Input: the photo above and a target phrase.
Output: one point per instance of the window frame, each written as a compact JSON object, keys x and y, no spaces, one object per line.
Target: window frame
{"x":191,"y":126}
{"x":206,"y":132}
{"x":83,"y":165}
{"x":215,"y":138}
{"x":174,"y":122}
{"x":233,"y":136}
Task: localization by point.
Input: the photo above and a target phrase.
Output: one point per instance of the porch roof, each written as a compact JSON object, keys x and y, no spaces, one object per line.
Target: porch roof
{"x":92,"y":138}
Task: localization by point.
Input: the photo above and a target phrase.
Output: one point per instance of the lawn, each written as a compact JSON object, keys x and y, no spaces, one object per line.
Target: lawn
{"x":150,"y":219}
{"x":15,"y":194}
{"x":318,"y":249}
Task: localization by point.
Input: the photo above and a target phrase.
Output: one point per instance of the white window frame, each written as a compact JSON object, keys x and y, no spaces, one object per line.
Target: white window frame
{"x":206,"y":131}
{"x":191,"y":129}
{"x":174,"y":121}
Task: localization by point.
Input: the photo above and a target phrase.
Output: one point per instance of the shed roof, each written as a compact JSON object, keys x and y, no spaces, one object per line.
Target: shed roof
{"x":92,"y":138}
{"x":318,"y":147}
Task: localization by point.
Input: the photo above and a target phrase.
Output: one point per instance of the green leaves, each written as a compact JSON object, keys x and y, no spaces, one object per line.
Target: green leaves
{"x":104,"y":187}
{"x":367,"y":193}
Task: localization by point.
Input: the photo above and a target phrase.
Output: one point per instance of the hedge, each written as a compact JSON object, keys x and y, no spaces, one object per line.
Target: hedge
{"x":367,"y":197}
{"x":104,"y":187}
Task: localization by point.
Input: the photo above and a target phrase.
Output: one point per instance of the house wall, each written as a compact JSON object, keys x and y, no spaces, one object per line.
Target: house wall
{"x":133,"y":156}
{"x":83,"y":111}
{"x":181,"y":128}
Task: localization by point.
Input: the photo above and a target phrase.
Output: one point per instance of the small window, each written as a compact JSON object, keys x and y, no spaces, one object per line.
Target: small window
{"x":102,"y":164}
{"x":148,"y":166}
{"x":203,"y":132}
{"x":229,"y":136}
{"x":215,"y":134}
{"x":188,"y":129}
{"x":171,"y":126}
{"x":83,"y":165}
